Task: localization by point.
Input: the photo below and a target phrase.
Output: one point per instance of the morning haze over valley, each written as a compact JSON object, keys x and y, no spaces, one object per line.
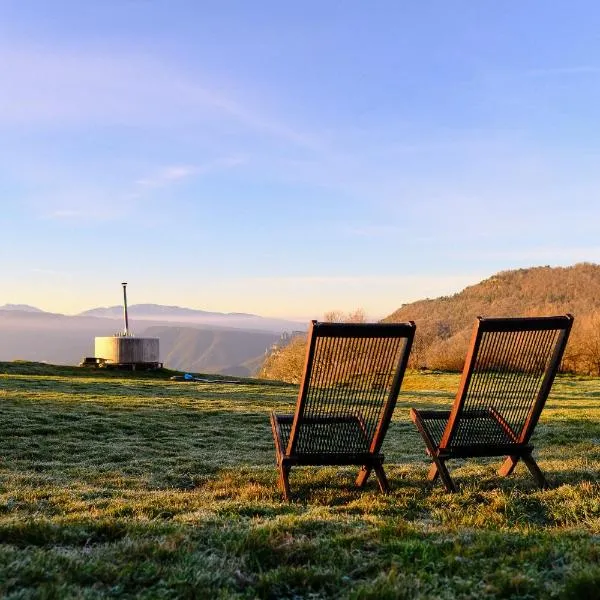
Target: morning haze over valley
{"x":191,"y":340}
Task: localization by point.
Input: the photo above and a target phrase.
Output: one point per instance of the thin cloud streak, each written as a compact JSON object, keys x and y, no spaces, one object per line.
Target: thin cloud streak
{"x":175,"y":173}
{"x":49,"y":87}
{"x":101,"y":204}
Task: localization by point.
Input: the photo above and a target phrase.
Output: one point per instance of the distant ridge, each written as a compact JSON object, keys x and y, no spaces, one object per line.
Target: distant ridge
{"x":179,"y":314}
{"x":22,"y":307}
{"x":170,"y":314}
{"x":155,"y":310}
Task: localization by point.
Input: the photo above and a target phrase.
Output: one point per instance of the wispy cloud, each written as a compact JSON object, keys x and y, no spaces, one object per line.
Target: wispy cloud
{"x":175,"y":173}
{"x":78,"y":202}
{"x":167,"y":175}
{"x":49,"y":86}
{"x":73,"y":201}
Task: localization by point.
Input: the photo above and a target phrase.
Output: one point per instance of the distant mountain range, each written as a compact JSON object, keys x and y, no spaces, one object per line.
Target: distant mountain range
{"x":190,"y":340}
{"x":178,"y":314}
{"x":146,"y":311}
{"x":21,"y":307}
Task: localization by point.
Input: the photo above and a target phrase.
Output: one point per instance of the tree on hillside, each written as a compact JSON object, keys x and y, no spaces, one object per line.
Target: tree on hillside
{"x":582,"y":354}
{"x":591,"y":346}
{"x":339,"y":316}
{"x":285,"y":364}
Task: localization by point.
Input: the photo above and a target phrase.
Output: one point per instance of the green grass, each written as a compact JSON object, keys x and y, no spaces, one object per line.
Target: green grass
{"x":131,"y":485}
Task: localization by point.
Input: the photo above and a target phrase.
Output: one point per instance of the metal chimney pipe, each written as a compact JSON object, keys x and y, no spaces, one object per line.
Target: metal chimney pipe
{"x":124,"y":284}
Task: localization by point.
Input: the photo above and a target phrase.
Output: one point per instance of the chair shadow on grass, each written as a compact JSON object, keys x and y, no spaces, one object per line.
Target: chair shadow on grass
{"x":335,"y":487}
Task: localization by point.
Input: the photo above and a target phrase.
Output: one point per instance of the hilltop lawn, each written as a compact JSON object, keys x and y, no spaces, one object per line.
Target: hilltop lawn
{"x":116,"y":486}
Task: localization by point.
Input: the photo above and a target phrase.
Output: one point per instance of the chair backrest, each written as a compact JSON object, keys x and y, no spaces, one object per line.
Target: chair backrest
{"x":508,"y":373}
{"x":352,"y":377}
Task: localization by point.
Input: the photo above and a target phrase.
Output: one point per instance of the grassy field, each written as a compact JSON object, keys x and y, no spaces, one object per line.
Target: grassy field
{"x":117,"y":485}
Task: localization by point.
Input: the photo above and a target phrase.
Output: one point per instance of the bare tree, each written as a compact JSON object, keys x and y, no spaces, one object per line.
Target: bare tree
{"x":339,"y":316}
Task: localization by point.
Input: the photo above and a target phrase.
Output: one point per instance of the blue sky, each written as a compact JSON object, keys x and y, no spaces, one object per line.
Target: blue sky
{"x":292,"y":158}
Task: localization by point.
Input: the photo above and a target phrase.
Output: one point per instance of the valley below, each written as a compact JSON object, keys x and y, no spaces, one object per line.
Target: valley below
{"x":193,"y":341}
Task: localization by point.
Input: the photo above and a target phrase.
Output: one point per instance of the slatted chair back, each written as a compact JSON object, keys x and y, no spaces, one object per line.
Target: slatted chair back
{"x":349,"y":388}
{"x":508,"y":373}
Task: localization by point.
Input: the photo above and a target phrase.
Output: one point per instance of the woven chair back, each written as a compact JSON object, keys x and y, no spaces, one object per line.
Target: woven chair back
{"x":508,"y":374}
{"x":350,"y":386}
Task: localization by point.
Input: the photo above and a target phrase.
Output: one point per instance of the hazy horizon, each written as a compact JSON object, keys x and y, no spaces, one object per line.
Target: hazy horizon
{"x":25,"y":306}
{"x":64,"y":306}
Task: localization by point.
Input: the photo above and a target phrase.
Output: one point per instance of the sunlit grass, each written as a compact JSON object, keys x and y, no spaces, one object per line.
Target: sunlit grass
{"x":120,"y":486}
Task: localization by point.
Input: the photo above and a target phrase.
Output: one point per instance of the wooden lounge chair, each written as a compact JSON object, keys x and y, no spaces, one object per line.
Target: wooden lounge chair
{"x":348,"y":392}
{"x":508,"y":373}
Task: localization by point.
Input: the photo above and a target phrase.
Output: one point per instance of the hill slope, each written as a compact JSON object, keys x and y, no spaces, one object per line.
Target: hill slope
{"x":444,"y":324}
{"x":534,"y":291}
{"x":226,"y":351}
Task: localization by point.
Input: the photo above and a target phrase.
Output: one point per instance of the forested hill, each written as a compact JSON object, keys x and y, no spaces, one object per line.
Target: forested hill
{"x":534,"y":291}
{"x":444,"y":324}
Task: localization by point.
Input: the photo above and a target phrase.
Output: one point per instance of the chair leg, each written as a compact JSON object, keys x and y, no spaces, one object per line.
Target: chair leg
{"x":508,"y":466}
{"x":433,"y":472}
{"x":535,"y":471}
{"x":363,"y":475}
{"x":384,"y":486}
{"x":284,"y":481}
{"x":442,"y":471}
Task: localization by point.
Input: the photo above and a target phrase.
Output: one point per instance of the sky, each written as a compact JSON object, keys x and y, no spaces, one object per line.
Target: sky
{"x":292,"y":158}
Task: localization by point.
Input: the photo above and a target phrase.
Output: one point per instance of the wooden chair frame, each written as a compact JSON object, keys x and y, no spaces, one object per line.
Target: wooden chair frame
{"x":366,"y":453}
{"x":515,"y":445}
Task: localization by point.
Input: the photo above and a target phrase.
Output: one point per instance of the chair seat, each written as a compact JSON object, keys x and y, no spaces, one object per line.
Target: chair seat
{"x":476,"y":428}
{"x":331,"y":435}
